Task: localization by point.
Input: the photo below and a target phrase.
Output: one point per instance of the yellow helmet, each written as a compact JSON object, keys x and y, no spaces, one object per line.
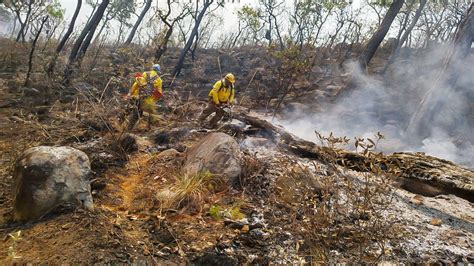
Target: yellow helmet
{"x":230,"y":77}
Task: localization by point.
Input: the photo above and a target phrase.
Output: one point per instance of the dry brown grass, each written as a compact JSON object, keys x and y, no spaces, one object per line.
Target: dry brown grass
{"x":187,"y":191}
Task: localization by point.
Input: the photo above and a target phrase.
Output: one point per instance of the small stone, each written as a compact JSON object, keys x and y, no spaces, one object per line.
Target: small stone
{"x":417,"y":200}
{"x":245,"y":229}
{"x":66,"y":226}
{"x":436,"y":222}
{"x":168,"y":154}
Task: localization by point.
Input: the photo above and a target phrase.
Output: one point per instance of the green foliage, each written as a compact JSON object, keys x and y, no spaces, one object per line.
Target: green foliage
{"x":383,"y":3}
{"x":215,"y":212}
{"x":55,"y":11}
{"x":334,"y":4}
{"x":292,"y":61}
{"x":251,"y":19}
{"x":92,"y":3}
{"x":250,"y":15}
{"x":122,"y":10}
{"x":234,"y":212}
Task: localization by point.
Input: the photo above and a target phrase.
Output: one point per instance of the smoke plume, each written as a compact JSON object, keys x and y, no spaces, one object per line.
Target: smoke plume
{"x":387,"y":105}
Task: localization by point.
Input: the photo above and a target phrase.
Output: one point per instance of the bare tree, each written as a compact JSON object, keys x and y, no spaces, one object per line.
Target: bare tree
{"x":64,"y":39}
{"x":170,"y":23}
{"x":205,"y":32}
{"x":401,"y":41}
{"x":138,"y":22}
{"x":380,"y":34}
{"x":17,"y":8}
{"x":412,"y":25}
{"x":119,"y":10}
{"x":272,"y":11}
{"x":32,"y":11}
{"x":192,"y":36}
{"x":250,"y":26}
{"x":32,"y":51}
{"x":464,"y":37}
{"x":82,"y":42}
{"x":378,"y":7}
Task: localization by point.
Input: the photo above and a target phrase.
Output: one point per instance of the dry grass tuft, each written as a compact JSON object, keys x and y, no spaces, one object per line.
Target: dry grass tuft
{"x":188,"y":191}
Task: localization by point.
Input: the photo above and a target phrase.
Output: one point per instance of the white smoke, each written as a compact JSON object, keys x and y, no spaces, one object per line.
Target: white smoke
{"x":386,"y":105}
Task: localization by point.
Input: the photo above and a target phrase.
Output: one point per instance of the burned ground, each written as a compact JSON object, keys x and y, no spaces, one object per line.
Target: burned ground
{"x":294,"y":202}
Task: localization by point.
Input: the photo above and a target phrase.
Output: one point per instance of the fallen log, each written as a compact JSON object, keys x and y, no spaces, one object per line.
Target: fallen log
{"x":442,"y":175}
{"x":419,"y":173}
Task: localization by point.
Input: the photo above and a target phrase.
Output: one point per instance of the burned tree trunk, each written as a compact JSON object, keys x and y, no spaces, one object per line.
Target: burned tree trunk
{"x":88,"y":39}
{"x":70,"y":28}
{"x":412,"y":25}
{"x":464,"y":36}
{"x":81,"y":44}
{"x":418,"y":173}
{"x":407,"y":33}
{"x":32,"y":51}
{"x":90,"y":27}
{"x":380,"y":34}
{"x":191,"y":38}
{"x":138,"y":22}
{"x":63,"y":41}
{"x":23,"y":24}
{"x":164,"y":44}
{"x":421,"y":122}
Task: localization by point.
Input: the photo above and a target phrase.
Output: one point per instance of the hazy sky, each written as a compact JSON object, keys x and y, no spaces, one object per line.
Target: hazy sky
{"x":227,"y":12}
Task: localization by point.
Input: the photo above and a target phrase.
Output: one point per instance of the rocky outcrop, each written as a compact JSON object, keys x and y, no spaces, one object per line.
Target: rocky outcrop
{"x":46,"y":177}
{"x":217,"y":153}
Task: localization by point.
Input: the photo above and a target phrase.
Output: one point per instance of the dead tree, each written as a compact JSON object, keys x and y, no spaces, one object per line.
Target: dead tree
{"x":377,"y":38}
{"x":465,"y":36}
{"x":421,"y":121}
{"x":163,"y":46}
{"x":138,"y":22}
{"x":17,"y":8}
{"x":84,"y":39}
{"x":32,"y":51}
{"x":271,"y":7}
{"x":405,"y":34}
{"x":81,"y":44}
{"x":408,"y":31}
{"x":194,"y":33}
{"x":64,"y":39}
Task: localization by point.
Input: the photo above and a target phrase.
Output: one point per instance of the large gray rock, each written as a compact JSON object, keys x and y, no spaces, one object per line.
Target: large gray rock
{"x":217,"y":153}
{"x":46,"y":177}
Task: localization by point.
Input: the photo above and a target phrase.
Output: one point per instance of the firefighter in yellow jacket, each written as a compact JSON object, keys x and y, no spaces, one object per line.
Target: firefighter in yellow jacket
{"x":145,"y":92}
{"x":222,"y":94}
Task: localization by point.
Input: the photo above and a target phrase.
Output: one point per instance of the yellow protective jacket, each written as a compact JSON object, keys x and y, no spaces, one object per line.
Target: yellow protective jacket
{"x":149,"y":84}
{"x":221,"y":94}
